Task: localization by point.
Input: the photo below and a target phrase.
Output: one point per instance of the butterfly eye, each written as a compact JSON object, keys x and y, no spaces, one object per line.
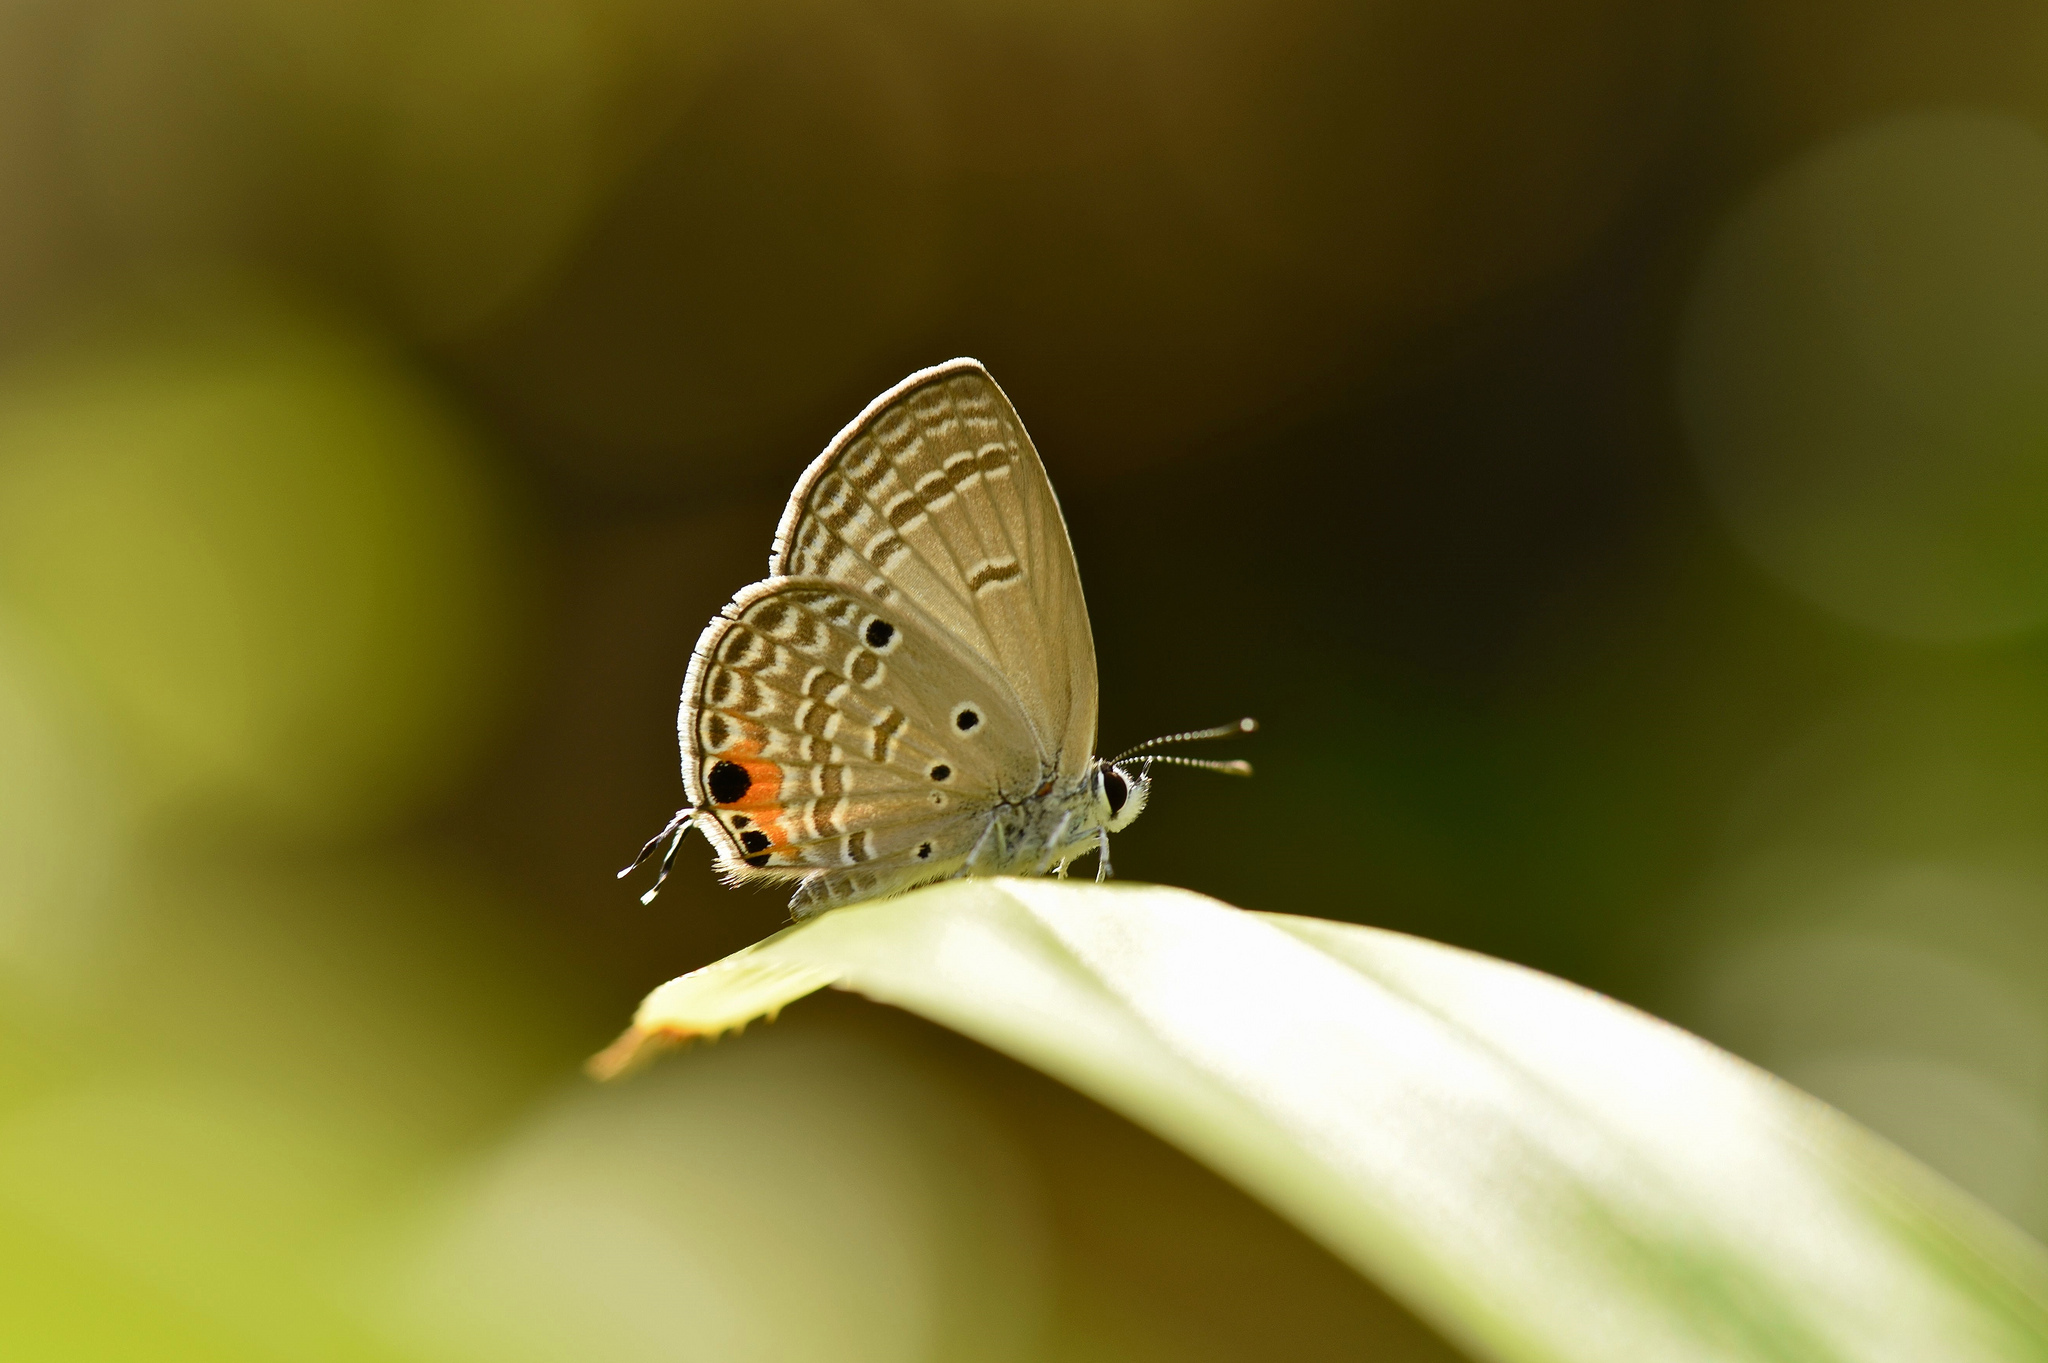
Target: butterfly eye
{"x":1115,"y":790}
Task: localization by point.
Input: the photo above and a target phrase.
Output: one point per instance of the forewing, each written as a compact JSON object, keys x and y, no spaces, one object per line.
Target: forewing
{"x":935,"y":494}
{"x":833,"y":736}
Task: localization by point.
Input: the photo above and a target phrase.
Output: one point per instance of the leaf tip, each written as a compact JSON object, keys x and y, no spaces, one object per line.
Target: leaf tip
{"x":634,"y":1048}
{"x":638,"y":1045}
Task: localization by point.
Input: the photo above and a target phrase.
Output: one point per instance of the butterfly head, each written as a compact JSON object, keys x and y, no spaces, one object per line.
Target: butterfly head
{"x":1120,"y":794}
{"x":1123,"y":782}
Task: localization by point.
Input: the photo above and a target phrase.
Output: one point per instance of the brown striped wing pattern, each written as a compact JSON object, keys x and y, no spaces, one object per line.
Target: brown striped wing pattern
{"x":935,"y":495}
{"x":823,"y":739}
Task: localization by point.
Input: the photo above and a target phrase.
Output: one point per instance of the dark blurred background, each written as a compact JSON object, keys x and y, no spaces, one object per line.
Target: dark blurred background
{"x":1605,"y":443}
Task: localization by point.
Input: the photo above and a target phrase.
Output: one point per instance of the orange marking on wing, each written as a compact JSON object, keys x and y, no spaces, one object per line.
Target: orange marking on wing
{"x":763,"y":801}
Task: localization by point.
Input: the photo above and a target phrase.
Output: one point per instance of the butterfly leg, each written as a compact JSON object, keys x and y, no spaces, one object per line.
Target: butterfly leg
{"x":981,"y":845}
{"x":1102,"y":856}
{"x":1057,"y":839}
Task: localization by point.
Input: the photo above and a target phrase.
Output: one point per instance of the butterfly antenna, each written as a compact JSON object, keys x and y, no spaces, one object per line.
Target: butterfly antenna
{"x":1246,"y":725}
{"x":1235,"y":767}
{"x":673,"y":831}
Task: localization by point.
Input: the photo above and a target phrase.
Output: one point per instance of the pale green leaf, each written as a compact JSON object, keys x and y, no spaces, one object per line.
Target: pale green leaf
{"x":1539,"y":1172}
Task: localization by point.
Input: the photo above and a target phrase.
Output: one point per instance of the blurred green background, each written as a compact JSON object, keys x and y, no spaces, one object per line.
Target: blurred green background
{"x":1605,"y":443}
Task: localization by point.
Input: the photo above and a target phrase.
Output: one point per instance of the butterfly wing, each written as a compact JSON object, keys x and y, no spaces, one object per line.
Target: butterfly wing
{"x":845,"y":741}
{"x":935,"y":494}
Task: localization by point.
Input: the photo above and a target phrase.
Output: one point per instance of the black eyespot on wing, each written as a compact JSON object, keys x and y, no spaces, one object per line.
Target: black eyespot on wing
{"x":729,"y":782}
{"x":966,"y":720}
{"x":941,"y":772}
{"x":879,"y":633}
{"x":924,"y":851}
{"x":740,"y":821}
{"x":1115,"y":789}
{"x":756,"y":843}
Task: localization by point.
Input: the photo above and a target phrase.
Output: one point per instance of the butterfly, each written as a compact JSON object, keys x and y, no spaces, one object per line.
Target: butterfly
{"x":909,"y":695}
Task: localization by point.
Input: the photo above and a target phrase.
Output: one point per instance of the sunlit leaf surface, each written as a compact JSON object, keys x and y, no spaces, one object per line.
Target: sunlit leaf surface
{"x":1536,"y":1170}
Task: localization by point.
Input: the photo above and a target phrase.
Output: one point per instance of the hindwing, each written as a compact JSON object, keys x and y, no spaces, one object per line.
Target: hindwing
{"x":844,"y":740}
